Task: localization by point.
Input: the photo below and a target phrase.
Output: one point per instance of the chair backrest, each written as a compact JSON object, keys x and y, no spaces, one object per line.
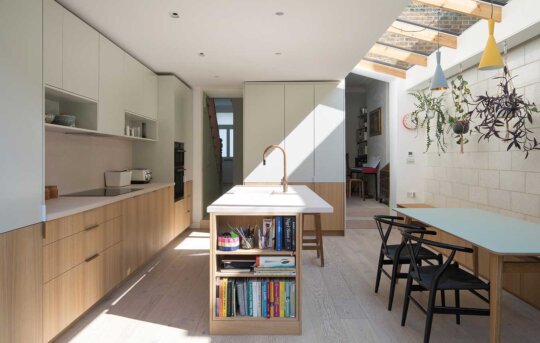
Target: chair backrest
{"x":385,"y":224}
{"x":414,"y":243}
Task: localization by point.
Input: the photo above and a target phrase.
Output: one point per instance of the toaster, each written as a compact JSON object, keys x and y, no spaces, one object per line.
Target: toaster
{"x":141,"y":176}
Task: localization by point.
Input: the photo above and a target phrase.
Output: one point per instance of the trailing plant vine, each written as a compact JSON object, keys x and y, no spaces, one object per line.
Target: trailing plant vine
{"x":507,"y":116}
{"x":463,"y":101}
{"x":429,"y":108}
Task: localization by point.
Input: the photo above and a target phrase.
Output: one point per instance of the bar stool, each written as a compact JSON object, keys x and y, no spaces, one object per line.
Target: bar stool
{"x":314,"y":243}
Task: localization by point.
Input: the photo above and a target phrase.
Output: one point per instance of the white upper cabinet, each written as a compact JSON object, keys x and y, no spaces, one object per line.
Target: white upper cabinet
{"x":111,"y":116}
{"x":140,"y":88}
{"x":299,"y":131}
{"x":329,"y":132}
{"x":80,"y":57}
{"x":21,"y":110}
{"x":52,"y":43}
{"x":264,"y":124}
{"x":150,"y":92}
{"x":133,"y":85}
{"x":70,"y":52}
{"x":307,"y":118}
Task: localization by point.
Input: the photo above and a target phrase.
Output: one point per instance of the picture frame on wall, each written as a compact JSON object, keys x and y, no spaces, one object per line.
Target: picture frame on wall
{"x":375,"y":127}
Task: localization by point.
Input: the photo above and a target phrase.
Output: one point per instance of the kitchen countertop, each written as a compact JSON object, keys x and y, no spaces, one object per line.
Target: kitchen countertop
{"x":270,"y":199}
{"x":64,"y":206}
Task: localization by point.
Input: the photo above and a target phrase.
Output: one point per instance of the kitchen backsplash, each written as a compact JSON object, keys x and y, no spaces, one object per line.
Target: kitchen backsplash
{"x":75,"y":162}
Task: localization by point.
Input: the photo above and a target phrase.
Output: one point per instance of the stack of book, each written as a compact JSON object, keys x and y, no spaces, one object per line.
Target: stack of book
{"x":275,"y":266}
{"x":278,"y":233}
{"x":256,"y":297}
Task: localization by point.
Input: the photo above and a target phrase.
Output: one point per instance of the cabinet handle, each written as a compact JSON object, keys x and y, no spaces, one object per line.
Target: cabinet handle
{"x":91,"y":227}
{"x":91,"y":258}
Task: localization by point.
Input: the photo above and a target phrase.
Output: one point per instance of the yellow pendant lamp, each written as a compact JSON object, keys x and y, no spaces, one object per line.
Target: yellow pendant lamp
{"x":491,"y":58}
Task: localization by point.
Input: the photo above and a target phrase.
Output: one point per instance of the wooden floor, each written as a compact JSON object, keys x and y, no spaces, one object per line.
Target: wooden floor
{"x":360,"y":212}
{"x":167,"y":302}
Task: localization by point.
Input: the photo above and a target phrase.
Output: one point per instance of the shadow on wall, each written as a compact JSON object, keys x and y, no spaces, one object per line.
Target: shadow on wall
{"x":313,"y":142}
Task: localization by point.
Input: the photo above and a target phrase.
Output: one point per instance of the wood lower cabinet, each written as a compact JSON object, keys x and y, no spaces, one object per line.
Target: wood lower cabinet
{"x":20,"y":285}
{"x":88,"y":254}
{"x":148,"y":226}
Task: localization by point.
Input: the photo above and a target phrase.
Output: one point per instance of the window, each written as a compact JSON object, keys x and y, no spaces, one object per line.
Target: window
{"x":226,"y":133}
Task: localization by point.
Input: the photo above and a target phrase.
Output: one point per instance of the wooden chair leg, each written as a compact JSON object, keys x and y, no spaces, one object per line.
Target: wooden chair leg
{"x":318,"y":229}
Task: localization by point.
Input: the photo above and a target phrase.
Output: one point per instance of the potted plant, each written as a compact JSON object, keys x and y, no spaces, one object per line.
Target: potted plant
{"x":463,"y":100}
{"x":507,"y":116}
{"x":431,"y":108}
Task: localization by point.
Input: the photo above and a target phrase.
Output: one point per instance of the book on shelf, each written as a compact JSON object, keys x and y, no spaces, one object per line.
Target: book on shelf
{"x":279,"y":233}
{"x":256,"y":297}
{"x":275,"y":261}
{"x":236,"y":266}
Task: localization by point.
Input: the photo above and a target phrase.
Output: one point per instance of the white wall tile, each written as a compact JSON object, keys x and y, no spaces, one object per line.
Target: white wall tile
{"x":512,"y":181}
{"x":532,"y":183}
{"x":439,"y":200}
{"x":460,"y":191}
{"x":526,"y":203}
{"x":488,"y":178}
{"x":470,"y":177}
{"x":501,"y":160}
{"x":526,"y":75}
{"x":499,"y":199}
{"x":516,"y":57}
{"x":532,"y":50}
{"x":445,"y":188}
{"x":530,"y":164}
{"x":453,"y":202}
{"x":512,"y":214}
{"x":478,"y":195}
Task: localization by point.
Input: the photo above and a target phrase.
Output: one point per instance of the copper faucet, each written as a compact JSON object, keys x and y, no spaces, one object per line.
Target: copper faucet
{"x":284,"y":181}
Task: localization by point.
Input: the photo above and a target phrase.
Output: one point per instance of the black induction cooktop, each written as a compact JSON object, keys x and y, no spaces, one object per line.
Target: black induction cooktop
{"x":103,"y":192}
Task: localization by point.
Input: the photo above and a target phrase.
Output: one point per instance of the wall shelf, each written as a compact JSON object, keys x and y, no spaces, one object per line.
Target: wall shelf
{"x":81,"y":131}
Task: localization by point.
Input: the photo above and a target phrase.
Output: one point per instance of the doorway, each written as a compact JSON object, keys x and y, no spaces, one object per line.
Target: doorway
{"x":229,"y":112}
{"x":367,"y":150}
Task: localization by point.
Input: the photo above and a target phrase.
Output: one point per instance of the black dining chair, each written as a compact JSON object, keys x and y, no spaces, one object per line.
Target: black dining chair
{"x":446,"y":277}
{"x":396,"y":254}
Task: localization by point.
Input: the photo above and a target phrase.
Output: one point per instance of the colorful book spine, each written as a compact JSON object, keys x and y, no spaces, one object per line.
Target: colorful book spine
{"x":293,"y":299}
{"x":276,"y":299}
{"x":282,"y":296}
{"x":279,"y":233}
{"x":250,"y":298}
{"x":270,"y":299}
{"x":224,"y":297}
{"x":293,"y":247}
{"x":287,"y":233}
{"x":229,"y":298}
{"x":263,"y":299}
{"x":287,"y":299}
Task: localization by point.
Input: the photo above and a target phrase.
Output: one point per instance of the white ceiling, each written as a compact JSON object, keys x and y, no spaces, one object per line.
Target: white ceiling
{"x":318,"y":39}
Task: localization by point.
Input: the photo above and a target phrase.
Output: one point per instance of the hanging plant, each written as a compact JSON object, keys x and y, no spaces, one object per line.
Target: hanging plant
{"x":507,"y":116}
{"x":463,"y":101}
{"x":431,"y":108}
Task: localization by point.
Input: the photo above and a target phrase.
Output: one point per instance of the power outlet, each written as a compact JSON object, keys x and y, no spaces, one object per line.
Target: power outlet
{"x":410,"y":157}
{"x":411,"y":195}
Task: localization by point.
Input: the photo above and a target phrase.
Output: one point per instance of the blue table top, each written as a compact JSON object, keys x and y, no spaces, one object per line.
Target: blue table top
{"x":499,"y":234}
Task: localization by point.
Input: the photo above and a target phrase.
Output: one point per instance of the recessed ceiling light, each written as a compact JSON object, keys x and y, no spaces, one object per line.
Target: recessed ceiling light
{"x":280,"y":13}
{"x":201,"y":54}
{"x":216,"y":76}
{"x":174,"y":15}
{"x":277,"y":53}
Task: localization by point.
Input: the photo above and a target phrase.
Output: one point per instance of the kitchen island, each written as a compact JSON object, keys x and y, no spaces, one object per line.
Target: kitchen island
{"x":248,"y":207}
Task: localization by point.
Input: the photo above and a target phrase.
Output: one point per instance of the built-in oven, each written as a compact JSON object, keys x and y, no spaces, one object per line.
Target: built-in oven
{"x":179,"y":171}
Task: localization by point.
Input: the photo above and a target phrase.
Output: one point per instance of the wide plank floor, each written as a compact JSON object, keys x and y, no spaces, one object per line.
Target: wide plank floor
{"x":167,"y":301}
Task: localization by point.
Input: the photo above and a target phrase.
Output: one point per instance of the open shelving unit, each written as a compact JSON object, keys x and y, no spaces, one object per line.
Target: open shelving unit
{"x":244,"y":325}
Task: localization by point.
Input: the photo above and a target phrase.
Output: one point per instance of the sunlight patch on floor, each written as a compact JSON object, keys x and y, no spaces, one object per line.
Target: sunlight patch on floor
{"x":104,"y":327}
{"x":195,"y":241}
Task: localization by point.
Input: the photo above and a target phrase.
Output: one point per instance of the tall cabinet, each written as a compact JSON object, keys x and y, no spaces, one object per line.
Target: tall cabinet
{"x":307,"y":119}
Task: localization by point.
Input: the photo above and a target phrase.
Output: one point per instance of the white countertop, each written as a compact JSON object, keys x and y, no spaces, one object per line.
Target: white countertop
{"x":270,"y":199}
{"x":65,"y":206}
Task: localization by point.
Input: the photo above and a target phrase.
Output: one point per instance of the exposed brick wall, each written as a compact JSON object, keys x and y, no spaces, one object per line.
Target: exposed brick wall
{"x":449,"y":21}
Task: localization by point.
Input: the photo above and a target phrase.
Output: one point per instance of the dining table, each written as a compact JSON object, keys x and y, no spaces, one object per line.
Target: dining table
{"x":501,"y":236}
